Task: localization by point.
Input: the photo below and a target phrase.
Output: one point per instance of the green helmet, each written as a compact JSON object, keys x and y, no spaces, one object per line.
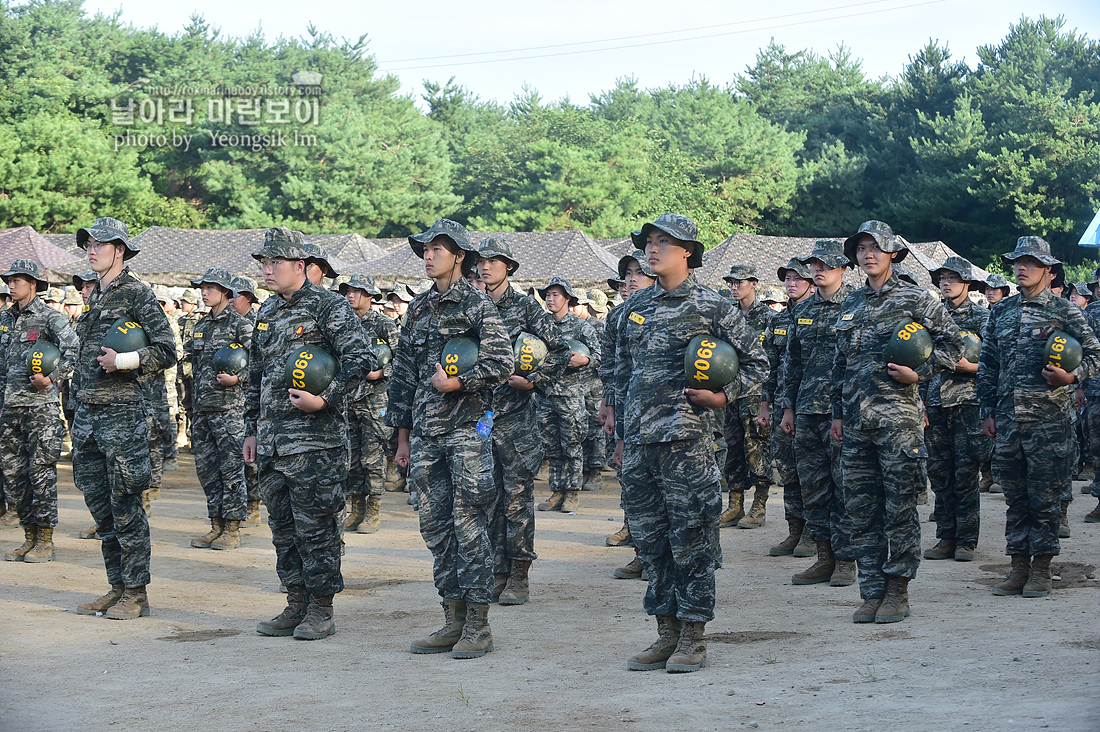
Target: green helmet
{"x":125,"y":336}
{"x":972,"y":345}
{"x":1062,"y":350}
{"x":382,"y":352}
{"x":43,"y":358}
{"x":911,"y":345}
{"x":459,"y":355}
{"x":232,"y":358}
{"x":710,"y":363}
{"x":579,"y":348}
{"x":310,"y":369}
{"x":530,"y":352}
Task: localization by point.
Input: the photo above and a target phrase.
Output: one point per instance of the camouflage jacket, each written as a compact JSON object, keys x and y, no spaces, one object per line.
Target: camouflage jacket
{"x":312,"y":316}
{"x":593,"y":381}
{"x":210,"y":334}
{"x":520,"y":313}
{"x":947,"y":389}
{"x":21,"y":329}
{"x":185,"y":327}
{"x":431,"y":321}
{"x":1092,"y":317}
{"x":1010,"y":381}
{"x":649,"y":360}
{"x":377,"y":327}
{"x":125,"y":297}
{"x":775,"y":345}
{"x":575,"y":381}
{"x":806,"y":369}
{"x":608,"y":348}
{"x":758,"y":316}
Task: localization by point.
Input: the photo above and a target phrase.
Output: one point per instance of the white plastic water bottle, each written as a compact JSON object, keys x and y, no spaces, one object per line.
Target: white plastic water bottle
{"x":485,"y":426}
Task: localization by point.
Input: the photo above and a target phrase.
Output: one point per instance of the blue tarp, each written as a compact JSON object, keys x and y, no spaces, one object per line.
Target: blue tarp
{"x":1091,"y":237}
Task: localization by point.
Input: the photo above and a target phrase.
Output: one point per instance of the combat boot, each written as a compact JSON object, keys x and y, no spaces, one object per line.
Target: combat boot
{"x":985,"y":482}
{"x":253,"y":517}
{"x":500,"y":581}
{"x":43,"y":546}
{"x":620,"y":537}
{"x":821,"y":570}
{"x":844,"y":574}
{"x":1063,"y":525}
{"x":134,"y":603}
{"x":477,"y":638}
{"x":944,"y":549}
{"x":755,"y":517}
{"x":995,"y":487}
{"x":92,"y":533}
{"x":592,"y":481}
{"x":807,"y":547}
{"x":785,"y":548}
{"x":518,"y":589}
{"x":691,"y":650}
{"x":895,"y":606}
{"x":230,"y":538}
{"x":1093,"y":516}
{"x":1038,"y":581}
{"x":285,"y":622}
{"x":572,"y":502}
{"x":395,"y":482}
{"x":444,"y":639}
{"x":217,"y":525}
{"x":372,"y":519}
{"x":553,"y":503}
{"x":101,"y":604}
{"x":16,"y":555}
{"x":633,"y":570}
{"x":964,"y":553}
{"x":655,"y":657}
{"x":355,"y":515}
{"x":1017,"y":577}
{"x":9,"y":518}
{"x":147,"y":502}
{"x":867,"y":611}
{"x":734,"y":512}
{"x":318,"y":622}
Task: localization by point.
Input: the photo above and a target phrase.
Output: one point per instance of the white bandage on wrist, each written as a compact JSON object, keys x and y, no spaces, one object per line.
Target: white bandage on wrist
{"x":127,"y":361}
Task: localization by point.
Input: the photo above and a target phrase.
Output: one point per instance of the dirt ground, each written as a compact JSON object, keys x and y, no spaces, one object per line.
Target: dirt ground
{"x":781,"y":657}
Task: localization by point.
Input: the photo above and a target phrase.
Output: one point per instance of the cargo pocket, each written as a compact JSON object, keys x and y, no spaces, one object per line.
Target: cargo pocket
{"x":47,"y":450}
{"x":133,"y":472}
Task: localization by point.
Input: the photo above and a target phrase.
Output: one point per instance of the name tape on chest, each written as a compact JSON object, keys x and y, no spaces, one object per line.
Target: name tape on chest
{"x":780,"y":331}
{"x":847,"y":316}
{"x":805,"y":321}
{"x":637,"y":318}
{"x":261,"y":326}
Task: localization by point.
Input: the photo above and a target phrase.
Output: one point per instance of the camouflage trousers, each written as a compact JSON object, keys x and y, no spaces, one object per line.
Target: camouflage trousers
{"x":821,"y":479}
{"x":366,"y":438}
{"x":217,"y":440}
{"x":1030,"y":462}
{"x":956,"y":450}
{"x":566,"y":424}
{"x":1092,"y":449}
{"x":592,"y":447}
{"x":748,"y":458}
{"x":782,"y":447}
{"x":30,"y":446}
{"x":166,"y":412}
{"x":252,"y":481}
{"x":453,"y":474}
{"x":154,"y":430}
{"x":884,"y":472}
{"x":517,"y":454}
{"x":111,"y":468}
{"x":672,"y":498}
{"x":304,"y":495}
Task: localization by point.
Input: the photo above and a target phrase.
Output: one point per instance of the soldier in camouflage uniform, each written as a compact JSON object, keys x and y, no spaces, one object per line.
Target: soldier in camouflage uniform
{"x":996,"y":288}
{"x":748,"y":459}
{"x":562,"y":410}
{"x":367,"y":433}
{"x":30,"y":424}
{"x":436,"y":414}
{"x":594,"y":446}
{"x":799,"y":285}
{"x":956,"y":445}
{"x":168,"y":410}
{"x":218,"y":409}
{"x":877,"y":417}
{"x":1026,"y":409}
{"x":517,"y":447}
{"x":110,"y":430}
{"x":671,"y":483}
{"x":189,"y":304}
{"x":243,"y":300}
{"x":299,"y":438}
{"x":1092,"y":407}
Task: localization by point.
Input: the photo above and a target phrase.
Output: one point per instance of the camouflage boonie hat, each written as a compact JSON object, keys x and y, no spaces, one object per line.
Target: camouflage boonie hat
{"x":615,"y":283}
{"x":337,"y":281}
{"x":107,"y":230}
{"x":740,"y":272}
{"x":829,"y":252}
{"x":962,"y":267}
{"x":597,"y":300}
{"x":80,"y":280}
{"x":496,"y":247}
{"x":905,"y":275}
{"x":54,"y":294}
{"x":774,"y":294}
{"x":401,"y":293}
{"x":678,"y":227}
{"x":419,"y":288}
{"x":284,"y":243}
{"x":190,"y":296}
{"x":28,"y":268}
{"x":72,"y":297}
{"x":996,"y":280}
{"x":574,"y":299}
{"x":245,"y":286}
{"x":884,"y":237}
{"x":215,"y":276}
{"x":638,"y":256}
{"x":161,"y":293}
{"x":1084,"y":289}
{"x":798,"y":267}
{"x":319,"y":256}
{"x":454,"y":231}
{"x":4,"y":289}
{"x":364,"y":283}
{"x":1031,"y":246}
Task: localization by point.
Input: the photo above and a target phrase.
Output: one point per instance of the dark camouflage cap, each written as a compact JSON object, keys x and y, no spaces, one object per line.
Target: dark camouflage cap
{"x":245,"y":286}
{"x":960,"y":266}
{"x":191,"y":296}
{"x":829,"y":252}
{"x":638,"y":256}
{"x":1032,"y":246}
{"x":1084,"y":289}
{"x":72,"y":297}
{"x":401,"y":293}
{"x":774,"y":294}
{"x":364,"y":283}
{"x":574,"y":299}
{"x":797,"y":267}
{"x":27,"y":268}
{"x":215,"y":276}
{"x":421,"y":286}
{"x":107,"y":230}
{"x":162,"y":294}
{"x":884,"y":237}
{"x":996,"y":280}
{"x":677,"y":226}
{"x":740,"y":272}
{"x":80,"y":280}
{"x":615,"y":283}
{"x":597,"y":300}
{"x":283,"y":243}
{"x":725,"y":292}
{"x":903,"y":274}
{"x":452,"y":230}
{"x":497,"y":247}
{"x":319,"y":256}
